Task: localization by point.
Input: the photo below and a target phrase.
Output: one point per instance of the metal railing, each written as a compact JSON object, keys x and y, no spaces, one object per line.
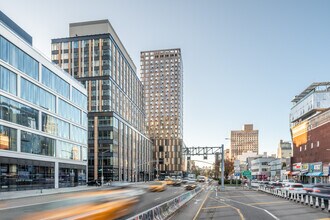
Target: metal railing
{"x":302,"y":198}
{"x":164,"y":210}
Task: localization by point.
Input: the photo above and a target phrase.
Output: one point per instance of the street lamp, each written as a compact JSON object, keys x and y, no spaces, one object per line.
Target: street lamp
{"x":102,"y":177}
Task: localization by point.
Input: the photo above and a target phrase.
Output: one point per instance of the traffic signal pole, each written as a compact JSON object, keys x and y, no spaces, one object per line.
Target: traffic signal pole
{"x":222,"y":167}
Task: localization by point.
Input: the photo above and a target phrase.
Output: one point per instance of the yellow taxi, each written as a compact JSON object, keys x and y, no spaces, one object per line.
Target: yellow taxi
{"x":157,"y":186}
{"x":169,"y":181}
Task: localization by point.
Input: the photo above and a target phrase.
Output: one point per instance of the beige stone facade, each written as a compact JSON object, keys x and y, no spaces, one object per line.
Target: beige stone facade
{"x":162,"y":77}
{"x":243,"y":141}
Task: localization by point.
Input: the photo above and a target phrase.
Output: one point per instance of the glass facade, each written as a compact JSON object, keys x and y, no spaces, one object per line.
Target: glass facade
{"x":8,"y":138}
{"x":79,"y":99}
{"x":37,"y":144}
{"x":22,"y":174}
{"x":68,"y":111}
{"x":54,"y":82}
{"x":8,"y":81}
{"x":18,"y":113}
{"x":18,"y":59}
{"x":36,"y":95}
{"x":55,"y":126}
{"x":35,"y":120}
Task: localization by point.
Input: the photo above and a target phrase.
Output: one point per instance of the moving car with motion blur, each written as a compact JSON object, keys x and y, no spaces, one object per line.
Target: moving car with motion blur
{"x":293,"y":188}
{"x":157,"y":186}
{"x":321,"y":191}
{"x":102,"y":204}
{"x":169,"y":181}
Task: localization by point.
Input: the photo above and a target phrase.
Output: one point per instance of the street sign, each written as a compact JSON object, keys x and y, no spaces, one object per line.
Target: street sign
{"x":237,"y":174}
{"x":246,"y":173}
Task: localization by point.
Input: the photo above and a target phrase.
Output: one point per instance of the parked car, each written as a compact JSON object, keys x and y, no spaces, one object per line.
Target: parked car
{"x":321,"y":191}
{"x":93,"y":183}
{"x":292,"y":188}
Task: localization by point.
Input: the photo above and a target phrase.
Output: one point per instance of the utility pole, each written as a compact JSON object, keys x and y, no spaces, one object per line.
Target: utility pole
{"x":222,"y":167}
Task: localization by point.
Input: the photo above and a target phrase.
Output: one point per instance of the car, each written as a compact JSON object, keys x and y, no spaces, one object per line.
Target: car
{"x":185,"y":180}
{"x":177,"y":182}
{"x":321,"y":191}
{"x":169,"y":181}
{"x":308,"y":187}
{"x":93,"y":183}
{"x":293,"y":188}
{"x":191,"y":185}
{"x":157,"y":186}
{"x":201,"y":179}
{"x":106,"y":204}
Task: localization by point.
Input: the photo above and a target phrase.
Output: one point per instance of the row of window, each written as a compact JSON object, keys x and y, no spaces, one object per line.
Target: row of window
{"x":68,"y":111}
{"x":8,"y":81}
{"x":21,"y":114}
{"x":36,"y":95}
{"x":37,"y":144}
{"x":312,"y":146}
{"x":18,"y":59}
{"x":79,"y":98}
{"x":56,"y":83}
{"x":23,"y":62}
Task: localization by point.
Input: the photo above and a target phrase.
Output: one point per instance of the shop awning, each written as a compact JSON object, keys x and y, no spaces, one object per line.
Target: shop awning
{"x":287,"y":173}
{"x":304,"y":173}
{"x":315,"y":174}
{"x":295,"y":173}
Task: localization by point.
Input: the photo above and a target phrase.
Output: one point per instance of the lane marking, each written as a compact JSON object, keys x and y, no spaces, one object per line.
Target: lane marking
{"x":217,"y":207}
{"x":244,"y":196}
{"x":262,"y":203}
{"x":233,"y":207}
{"x":200,"y":208}
{"x":157,"y":198}
{"x":265,"y":210}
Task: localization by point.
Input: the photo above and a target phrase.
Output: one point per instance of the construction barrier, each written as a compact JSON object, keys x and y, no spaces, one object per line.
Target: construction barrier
{"x":302,"y":198}
{"x":166,"y":209}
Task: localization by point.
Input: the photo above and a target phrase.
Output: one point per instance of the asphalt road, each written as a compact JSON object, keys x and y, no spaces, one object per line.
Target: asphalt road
{"x":239,"y":204}
{"x":18,"y":208}
{"x":152,"y":199}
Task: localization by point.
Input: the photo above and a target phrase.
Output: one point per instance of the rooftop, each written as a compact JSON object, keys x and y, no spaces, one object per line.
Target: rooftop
{"x":309,"y":89}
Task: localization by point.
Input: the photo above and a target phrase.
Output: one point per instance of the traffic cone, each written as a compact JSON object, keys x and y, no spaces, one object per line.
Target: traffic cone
{"x":311,"y":201}
{"x":322,"y":204}
{"x":294,"y":196}
{"x":317,"y":202}
{"x":302,"y":199}
{"x":298,"y":200}
{"x":291,"y":196}
{"x":306,"y":201}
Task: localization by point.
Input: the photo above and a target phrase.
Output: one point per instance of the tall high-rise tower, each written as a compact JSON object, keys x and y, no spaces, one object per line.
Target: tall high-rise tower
{"x":118,"y":147}
{"x":243,"y":141}
{"x":162,"y":77}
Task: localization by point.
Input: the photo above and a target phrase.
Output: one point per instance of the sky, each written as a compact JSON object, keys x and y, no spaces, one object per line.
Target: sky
{"x":243,"y":61}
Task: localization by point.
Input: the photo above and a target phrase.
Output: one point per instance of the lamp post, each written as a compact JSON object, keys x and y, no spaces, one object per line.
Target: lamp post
{"x":102,"y":177}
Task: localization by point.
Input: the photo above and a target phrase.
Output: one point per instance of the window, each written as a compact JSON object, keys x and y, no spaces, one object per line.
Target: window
{"x":18,"y":59}
{"x":8,"y":138}
{"x":18,"y":113}
{"x":78,"y":134}
{"x":55,"y":126}
{"x":79,"y":98}
{"x":36,"y":144}
{"x":32,"y":93}
{"x":318,"y":144}
{"x":8,"y":81}
{"x":69,"y":151}
{"x":56,"y":83}
{"x":68,"y":111}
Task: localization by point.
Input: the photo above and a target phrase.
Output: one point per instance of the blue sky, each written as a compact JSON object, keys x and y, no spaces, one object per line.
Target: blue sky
{"x":243,"y":60}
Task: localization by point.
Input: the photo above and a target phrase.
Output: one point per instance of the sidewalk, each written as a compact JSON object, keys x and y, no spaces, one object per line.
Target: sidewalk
{"x":41,"y":192}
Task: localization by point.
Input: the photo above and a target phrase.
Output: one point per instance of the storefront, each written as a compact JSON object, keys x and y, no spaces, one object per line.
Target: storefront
{"x":326,"y":173}
{"x":303,"y":173}
{"x":315,"y":172}
{"x":296,"y":168}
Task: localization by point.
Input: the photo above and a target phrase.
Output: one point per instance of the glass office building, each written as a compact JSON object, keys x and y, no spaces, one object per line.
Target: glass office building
{"x":117,"y":144}
{"x":43,"y":118}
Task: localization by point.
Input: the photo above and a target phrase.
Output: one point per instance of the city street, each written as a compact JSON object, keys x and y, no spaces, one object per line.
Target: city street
{"x":18,"y":208}
{"x":245,"y":204}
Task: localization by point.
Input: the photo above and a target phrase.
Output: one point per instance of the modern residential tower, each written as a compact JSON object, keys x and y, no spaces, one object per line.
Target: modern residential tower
{"x":162,"y":77}
{"x":117,"y":144}
{"x":243,"y":141}
{"x":43,"y":118}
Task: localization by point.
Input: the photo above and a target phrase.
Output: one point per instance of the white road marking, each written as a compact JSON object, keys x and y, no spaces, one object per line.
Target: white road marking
{"x":157,"y":198}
